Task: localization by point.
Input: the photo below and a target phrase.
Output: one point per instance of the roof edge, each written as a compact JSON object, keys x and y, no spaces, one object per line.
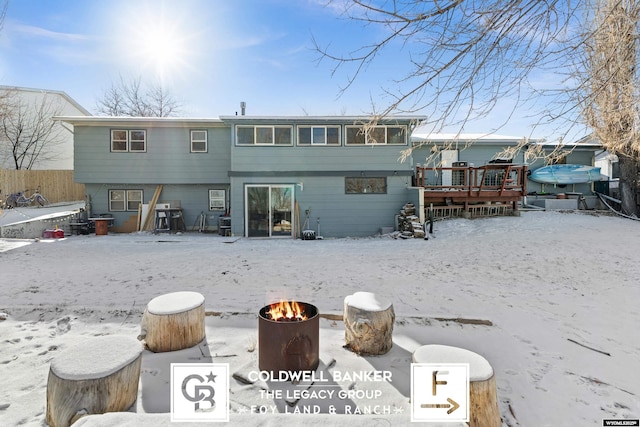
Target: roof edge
{"x":65,"y":95}
{"x":104,"y":120}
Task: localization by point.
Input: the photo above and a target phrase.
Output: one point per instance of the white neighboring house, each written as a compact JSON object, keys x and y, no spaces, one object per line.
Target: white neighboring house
{"x":607,"y":163}
{"x":60,"y":156}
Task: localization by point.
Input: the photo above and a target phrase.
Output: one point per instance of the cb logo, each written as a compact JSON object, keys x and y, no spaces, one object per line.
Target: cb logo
{"x":200,"y":392}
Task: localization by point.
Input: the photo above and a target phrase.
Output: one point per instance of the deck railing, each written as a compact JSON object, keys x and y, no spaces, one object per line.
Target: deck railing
{"x":498,"y":179}
{"x":493,"y":189}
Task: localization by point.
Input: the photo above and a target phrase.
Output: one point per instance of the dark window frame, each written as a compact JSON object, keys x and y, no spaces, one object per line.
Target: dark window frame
{"x":264,"y":135}
{"x":374,"y":135}
{"x":365,"y":185}
{"x":331,"y":136}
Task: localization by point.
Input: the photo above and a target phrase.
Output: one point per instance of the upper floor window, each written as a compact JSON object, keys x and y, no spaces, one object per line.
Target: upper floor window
{"x":390,"y":135}
{"x":263,"y":135}
{"x":123,"y":140}
{"x":198,"y":141}
{"x":318,"y":135}
{"x":124,"y":200}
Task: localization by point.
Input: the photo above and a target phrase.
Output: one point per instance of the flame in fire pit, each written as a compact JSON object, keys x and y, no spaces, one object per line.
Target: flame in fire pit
{"x":286,"y":311}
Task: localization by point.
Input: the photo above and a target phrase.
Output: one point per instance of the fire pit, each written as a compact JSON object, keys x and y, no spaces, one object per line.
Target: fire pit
{"x":288,"y":337}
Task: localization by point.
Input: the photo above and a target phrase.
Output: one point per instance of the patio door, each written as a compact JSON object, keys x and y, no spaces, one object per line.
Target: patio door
{"x":269,"y":210}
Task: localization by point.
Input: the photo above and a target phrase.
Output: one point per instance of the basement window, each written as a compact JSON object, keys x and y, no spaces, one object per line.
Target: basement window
{"x":216,"y":200}
{"x":124,"y":200}
{"x":365,"y":185}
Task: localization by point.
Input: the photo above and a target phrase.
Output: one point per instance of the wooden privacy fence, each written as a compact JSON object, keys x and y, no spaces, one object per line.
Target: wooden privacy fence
{"x":56,"y":185}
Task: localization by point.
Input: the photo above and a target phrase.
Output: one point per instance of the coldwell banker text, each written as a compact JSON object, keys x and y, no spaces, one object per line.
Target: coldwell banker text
{"x":315,"y":377}
{"x":312,"y":394}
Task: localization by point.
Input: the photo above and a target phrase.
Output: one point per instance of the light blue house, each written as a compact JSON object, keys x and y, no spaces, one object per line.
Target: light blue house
{"x":272,"y":176}
{"x":279,"y":176}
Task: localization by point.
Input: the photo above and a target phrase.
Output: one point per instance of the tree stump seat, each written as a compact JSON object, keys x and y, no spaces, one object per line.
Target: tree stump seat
{"x":173,"y":321}
{"x":368,"y":323}
{"x":483,"y":398}
{"x":93,"y":377}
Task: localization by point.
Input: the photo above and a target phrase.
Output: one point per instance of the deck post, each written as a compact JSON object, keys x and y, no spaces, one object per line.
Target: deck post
{"x":421,"y":204}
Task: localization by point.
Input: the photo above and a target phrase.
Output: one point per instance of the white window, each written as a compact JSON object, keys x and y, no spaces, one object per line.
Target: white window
{"x":264,"y":135}
{"x":198,"y":141}
{"x":318,"y":135}
{"x":124,"y":200}
{"x":125,"y":140}
{"x":390,"y":135}
{"x":217,"y":200}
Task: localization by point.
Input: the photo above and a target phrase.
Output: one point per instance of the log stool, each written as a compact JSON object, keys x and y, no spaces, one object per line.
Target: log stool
{"x":96,"y":376}
{"x":368,"y":323}
{"x":173,"y":321}
{"x":483,"y":398}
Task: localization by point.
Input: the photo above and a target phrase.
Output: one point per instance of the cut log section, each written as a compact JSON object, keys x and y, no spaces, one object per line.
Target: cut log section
{"x":483,"y":398}
{"x":97,"y":376}
{"x":368,"y":323}
{"x":173,"y":321}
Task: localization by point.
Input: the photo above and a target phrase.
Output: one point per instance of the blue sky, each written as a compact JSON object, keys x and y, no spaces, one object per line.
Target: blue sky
{"x":210,"y":54}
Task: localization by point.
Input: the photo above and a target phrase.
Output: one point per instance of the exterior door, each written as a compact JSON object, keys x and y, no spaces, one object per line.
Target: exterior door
{"x":269,"y":210}
{"x":447,"y":158}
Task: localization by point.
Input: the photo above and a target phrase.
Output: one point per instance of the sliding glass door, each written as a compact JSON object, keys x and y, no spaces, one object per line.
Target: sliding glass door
{"x":269,"y":210}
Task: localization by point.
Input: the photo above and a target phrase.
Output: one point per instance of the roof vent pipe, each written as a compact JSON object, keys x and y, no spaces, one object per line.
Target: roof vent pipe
{"x":243,"y":107}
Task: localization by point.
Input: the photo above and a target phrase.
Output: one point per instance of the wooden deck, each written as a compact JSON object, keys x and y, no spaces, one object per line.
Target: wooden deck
{"x":493,"y":189}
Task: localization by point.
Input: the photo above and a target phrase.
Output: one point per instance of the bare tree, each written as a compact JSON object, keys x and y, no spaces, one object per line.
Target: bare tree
{"x":28,"y":134}
{"x":130,"y":98}
{"x":611,"y":90}
{"x":465,"y":56}
{"x":3,"y":12}
{"x":462,"y":56}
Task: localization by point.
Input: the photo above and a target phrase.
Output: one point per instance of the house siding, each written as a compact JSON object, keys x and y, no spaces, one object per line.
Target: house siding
{"x":187,"y":177}
{"x":340,"y":214}
{"x":192,"y":198}
{"x":167,"y":160}
{"x":478,"y":154}
{"x":321,"y":173}
{"x":302,"y":158}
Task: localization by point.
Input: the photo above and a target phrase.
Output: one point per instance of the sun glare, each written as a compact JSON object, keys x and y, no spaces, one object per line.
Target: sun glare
{"x":159,"y":42}
{"x":160,"y":46}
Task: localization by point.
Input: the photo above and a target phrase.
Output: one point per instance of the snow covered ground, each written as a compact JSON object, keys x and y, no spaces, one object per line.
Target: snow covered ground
{"x":561,"y":291}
